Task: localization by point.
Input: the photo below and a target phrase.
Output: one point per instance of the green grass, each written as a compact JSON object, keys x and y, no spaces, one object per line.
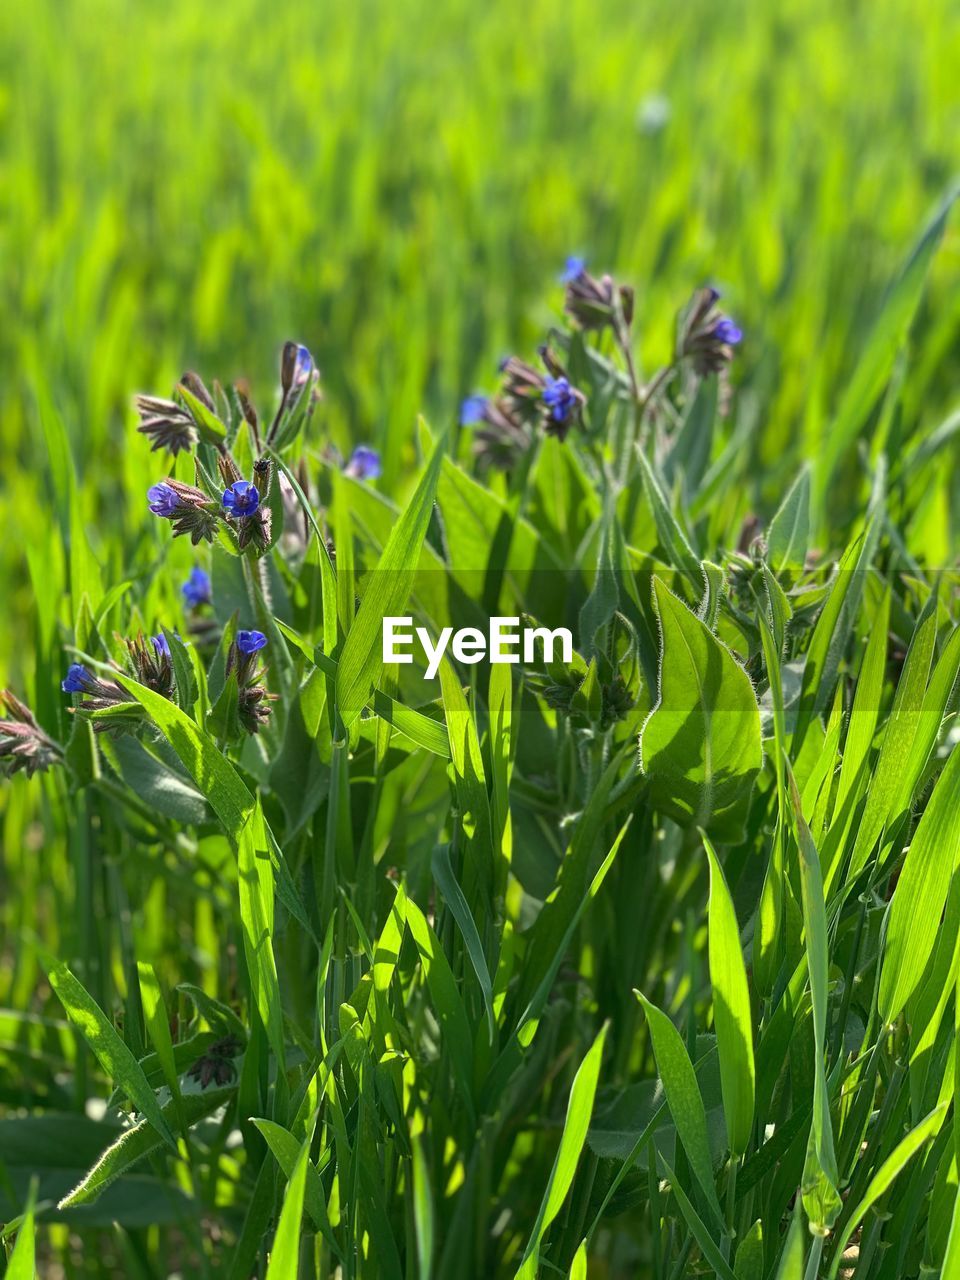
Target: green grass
{"x":447,"y":978}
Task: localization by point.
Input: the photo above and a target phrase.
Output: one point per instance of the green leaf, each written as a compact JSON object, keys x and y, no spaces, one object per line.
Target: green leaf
{"x":913,"y":924}
{"x":447,"y":1002}
{"x":575,"y":1126}
{"x":674,"y":541}
{"x":898,"y":739}
{"x":748,"y":1264}
{"x":578,"y":1267}
{"x":158,"y":1024}
{"x":453,"y":896}
{"x":684,"y":1099}
{"x":698,"y":1228}
{"x":902,"y":1153}
{"x":255,"y":877}
{"x":22,"y":1264}
{"x":877,"y":359}
{"x":139,"y":1141}
{"x":183,"y":672}
{"x":285,"y":1254}
{"x":791,"y":1260}
{"x":208,"y":424}
{"x":286,"y":1151}
{"x":700,"y":746}
{"x":212,"y":772}
{"x":387,"y":592}
{"x":951,"y":1261}
{"x":829,"y":639}
{"x":110,"y":1051}
{"x":423,"y":1215}
{"x":731,"y":1009}
{"x":821,"y":1199}
{"x":789,"y":534}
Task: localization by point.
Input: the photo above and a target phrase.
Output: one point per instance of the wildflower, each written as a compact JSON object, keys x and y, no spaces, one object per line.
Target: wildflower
{"x":254,"y":701}
{"x":241,"y":499}
{"x":560,"y":399}
{"x":152,"y":665}
{"x":296,"y":367}
{"x":472,"y":410}
{"x":727,"y":332}
{"x":216,"y":1064}
{"x":299,"y":378}
{"x":364,"y":463}
{"x":23,"y":744}
{"x":98,"y":695}
{"x":77,"y":679}
{"x":523,"y":388}
{"x":572,"y":269}
{"x":250,"y":642}
{"x":303,"y":366}
{"x":167,"y":424}
{"x":595,"y":304}
{"x":164,"y":500}
{"x":503,"y":437}
{"x":197,"y":589}
{"x":189,"y":508}
{"x":705,"y":336}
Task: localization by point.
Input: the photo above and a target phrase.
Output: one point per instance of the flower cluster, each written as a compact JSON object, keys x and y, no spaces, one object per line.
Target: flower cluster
{"x":528,"y":401}
{"x":23,"y":744}
{"x":254,"y":700}
{"x":216,"y":1065}
{"x":705,"y":336}
{"x":190,"y":510}
{"x":592,"y":303}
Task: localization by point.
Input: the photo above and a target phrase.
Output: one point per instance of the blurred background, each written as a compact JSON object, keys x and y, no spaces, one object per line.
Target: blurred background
{"x":397,"y":185}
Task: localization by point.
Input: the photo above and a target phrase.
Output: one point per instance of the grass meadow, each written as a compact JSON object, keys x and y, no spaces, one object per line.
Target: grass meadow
{"x":635,"y":320}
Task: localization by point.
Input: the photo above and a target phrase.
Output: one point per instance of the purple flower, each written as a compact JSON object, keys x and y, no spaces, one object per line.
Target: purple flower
{"x":472,"y":410}
{"x":164,"y":500}
{"x":77,"y":679}
{"x":197,"y":590}
{"x":364,"y":463}
{"x":250,"y":641}
{"x":161,"y":644}
{"x":727,"y":332}
{"x":573,"y":268}
{"x":241,"y":499}
{"x":559,"y":399}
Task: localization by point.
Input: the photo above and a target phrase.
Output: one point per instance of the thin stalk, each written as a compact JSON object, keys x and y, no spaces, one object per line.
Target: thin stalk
{"x":813,"y":1262}
{"x":726,"y":1244}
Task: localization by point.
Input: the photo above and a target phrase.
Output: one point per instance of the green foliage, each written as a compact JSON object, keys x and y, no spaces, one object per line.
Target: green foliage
{"x":353,"y":995}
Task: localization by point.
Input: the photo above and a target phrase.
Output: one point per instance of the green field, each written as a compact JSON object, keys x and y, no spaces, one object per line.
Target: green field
{"x":639,"y":965}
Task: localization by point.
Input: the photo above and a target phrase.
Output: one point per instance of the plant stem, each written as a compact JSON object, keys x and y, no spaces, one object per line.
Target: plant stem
{"x":813,"y":1262}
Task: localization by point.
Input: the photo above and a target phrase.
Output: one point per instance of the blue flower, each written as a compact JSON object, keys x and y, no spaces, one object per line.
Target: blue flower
{"x":559,"y":399}
{"x":364,"y":463}
{"x":573,"y":268}
{"x":161,"y":644}
{"x":164,"y":500}
{"x":250,"y":641}
{"x":241,"y":499}
{"x":303,"y":366}
{"x":196,"y":590}
{"x":727,"y":332}
{"x":77,"y":678}
{"x":472,"y":410}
